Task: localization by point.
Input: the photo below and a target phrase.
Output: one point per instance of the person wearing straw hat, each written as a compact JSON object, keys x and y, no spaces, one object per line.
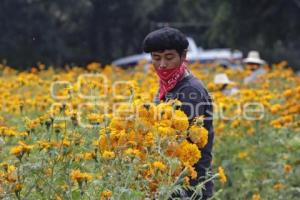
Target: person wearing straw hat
{"x":222,"y":81}
{"x":168,"y":47}
{"x":254,"y":63}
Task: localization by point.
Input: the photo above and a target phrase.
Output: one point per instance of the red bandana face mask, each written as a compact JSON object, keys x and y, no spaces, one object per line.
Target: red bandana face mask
{"x":169,"y":78}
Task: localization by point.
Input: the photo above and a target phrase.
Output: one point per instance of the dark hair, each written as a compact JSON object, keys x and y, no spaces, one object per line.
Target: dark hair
{"x":165,"y":38}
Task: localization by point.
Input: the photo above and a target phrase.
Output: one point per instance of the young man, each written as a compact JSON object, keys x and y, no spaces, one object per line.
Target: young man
{"x":168,"y":48}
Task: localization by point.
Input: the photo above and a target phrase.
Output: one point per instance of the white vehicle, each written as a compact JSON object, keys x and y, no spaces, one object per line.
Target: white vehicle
{"x":223,"y":56}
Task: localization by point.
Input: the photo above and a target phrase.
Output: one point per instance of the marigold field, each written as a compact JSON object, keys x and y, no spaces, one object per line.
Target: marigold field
{"x":93,"y":133}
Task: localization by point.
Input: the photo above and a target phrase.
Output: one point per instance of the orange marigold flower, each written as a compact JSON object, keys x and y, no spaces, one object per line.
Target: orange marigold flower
{"x":188,"y":153}
{"x":192,"y":172}
{"x":105,"y":194}
{"x":287,"y":168}
{"x":278,"y":186}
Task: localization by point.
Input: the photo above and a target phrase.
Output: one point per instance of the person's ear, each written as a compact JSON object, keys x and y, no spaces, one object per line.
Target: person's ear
{"x":183,"y":54}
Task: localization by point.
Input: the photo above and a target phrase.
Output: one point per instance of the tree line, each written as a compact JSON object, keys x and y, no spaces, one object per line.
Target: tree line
{"x":60,"y":32}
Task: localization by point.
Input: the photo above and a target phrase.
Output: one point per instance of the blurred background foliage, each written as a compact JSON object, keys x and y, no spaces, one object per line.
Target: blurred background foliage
{"x":60,"y":32}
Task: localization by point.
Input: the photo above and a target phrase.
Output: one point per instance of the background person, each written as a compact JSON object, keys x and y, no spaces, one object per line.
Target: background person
{"x":222,"y":82}
{"x":254,"y":63}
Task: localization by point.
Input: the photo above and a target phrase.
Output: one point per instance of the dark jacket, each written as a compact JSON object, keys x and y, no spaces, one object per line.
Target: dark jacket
{"x":196,"y":102}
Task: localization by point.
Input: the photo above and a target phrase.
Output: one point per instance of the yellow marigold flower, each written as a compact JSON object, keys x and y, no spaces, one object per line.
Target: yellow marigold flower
{"x":278,"y":186}
{"x":211,"y":86}
{"x":23,"y":134}
{"x":251,"y":131}
{"x":143,"y":125}
{"x":59,"y":126}
{"x":9,"y":132}
{"x":124,"y":111}
{"x":287,"y":119}
{"x":57,"y":197}
{"x":11,"y":169}
{"x":133,"y":152}
{"x":105,"y":194}
{"x":121,"y":138}
{"x":287,"y":168}
{"x":146,"y":110}
{"x":180,"y":121}
{"x":276,"y":124}
{"x":288,"y":93}
{"x":198,"y":135}
{"x":275,"y":108}
{"x":89,"y":156}
{"x":108,"y":155}
{"x":164,"y":111}
{"x":44,"y":145}
{"x":21,"y":149}
{"x":118,"y":124}
{"x":188,"y":153}
{"x":222,"y":175}
{"x":66,"y":143}
{"x":32,"y":124}
{"x":103,"y":140}
{"x":243,"y":155}
{"x":164,"y":123}
{"x":166,"y":131}
{"x":294,"y":109}
{"x":95,"y":118}
{"x":149,"y":139}
{"x":159,"y":165}
{"x":78,"y":176}
{"x":255,"y":197}
{"x":235,"y":123}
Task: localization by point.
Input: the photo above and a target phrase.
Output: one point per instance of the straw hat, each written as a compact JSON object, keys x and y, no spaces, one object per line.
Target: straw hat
{"x":222,"y":79}
{"x":253,"y":57}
